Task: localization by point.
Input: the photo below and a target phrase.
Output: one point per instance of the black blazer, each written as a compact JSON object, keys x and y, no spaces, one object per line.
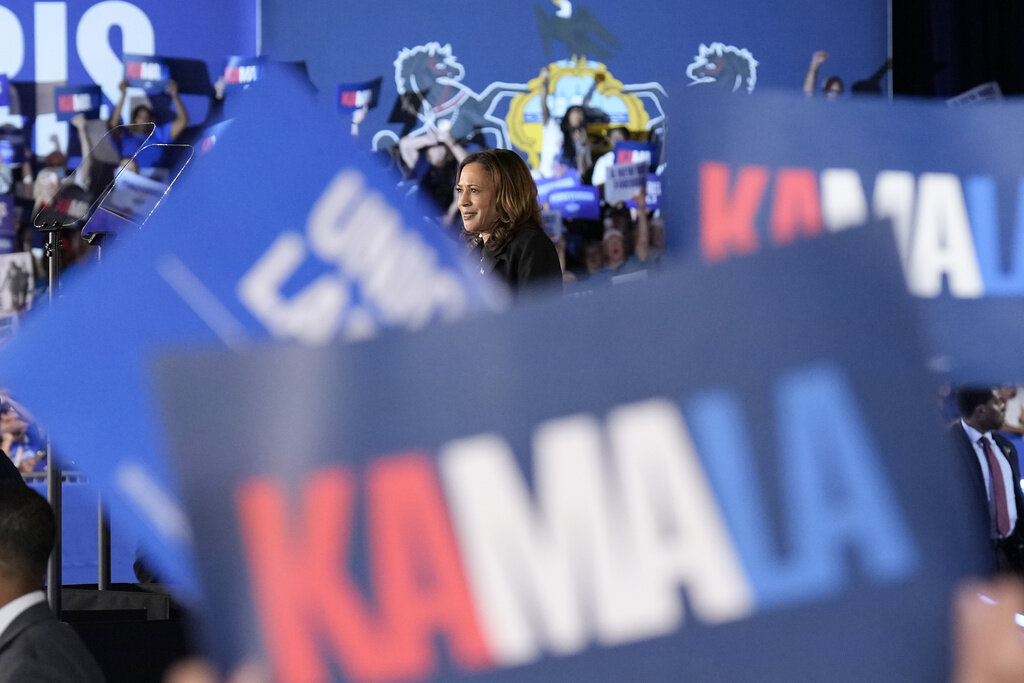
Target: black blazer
{"x":37,"y":647}
{"x":1008,"y":552}
{"x":528,"y":261}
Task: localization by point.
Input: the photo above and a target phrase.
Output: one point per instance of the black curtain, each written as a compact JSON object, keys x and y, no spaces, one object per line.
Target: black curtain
{"x":943,"y":47}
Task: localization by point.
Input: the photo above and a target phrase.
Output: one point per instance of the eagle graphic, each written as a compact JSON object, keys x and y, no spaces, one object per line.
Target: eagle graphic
{"x":576,"y":28}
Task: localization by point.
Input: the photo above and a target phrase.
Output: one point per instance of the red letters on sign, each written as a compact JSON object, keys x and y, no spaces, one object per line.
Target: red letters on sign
{"x":306,"y":598}
{"x":299,"y":580}
{"x":417,"y":567}
{"x":727,"y":223}
{"x":796,"y":206}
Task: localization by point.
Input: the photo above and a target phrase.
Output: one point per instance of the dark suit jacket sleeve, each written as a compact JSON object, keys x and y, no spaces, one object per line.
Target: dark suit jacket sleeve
{"x":38,"y":648}
{"x":970,"y":473}
{"x":533,"y":262}
{"x":1014,"y":545}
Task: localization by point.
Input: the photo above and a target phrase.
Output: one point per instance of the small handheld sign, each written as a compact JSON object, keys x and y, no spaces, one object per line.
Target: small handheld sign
{"x":147,"y":72}
{"x":352,"y":96}
{"x":583,"y":201}
{"x":72,"y":100}
{"x":624,"y":181}
{"x":242,"y":72}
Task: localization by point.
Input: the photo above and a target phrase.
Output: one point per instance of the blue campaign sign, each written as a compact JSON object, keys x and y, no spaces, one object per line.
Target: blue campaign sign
{"x":786,"y":169}
{"x":72,"y":100}
{"x":418,"y":508}
{"x":5,"y":91}
{"x":148,"y":72}
{"x":581,"y":201}
{"x":321,"y":248}
{"x":352,"y":96}
{"x":241,"y":72}
{"x":632,"y":151}
{"x":568,"y":181}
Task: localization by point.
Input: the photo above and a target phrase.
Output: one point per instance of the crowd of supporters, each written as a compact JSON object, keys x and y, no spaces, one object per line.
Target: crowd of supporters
{"x":620,"y":241}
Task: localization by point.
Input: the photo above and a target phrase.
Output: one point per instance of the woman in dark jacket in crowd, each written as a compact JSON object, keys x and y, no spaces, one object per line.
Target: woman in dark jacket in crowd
{"x":497,"y":198}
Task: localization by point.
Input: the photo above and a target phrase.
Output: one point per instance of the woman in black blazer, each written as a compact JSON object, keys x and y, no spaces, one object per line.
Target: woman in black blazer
{"x":497,"y":199}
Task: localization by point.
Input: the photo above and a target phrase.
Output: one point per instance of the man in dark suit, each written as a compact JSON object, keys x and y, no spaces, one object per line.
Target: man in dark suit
{"x":34,"y":646}
{"x":990,"y":461}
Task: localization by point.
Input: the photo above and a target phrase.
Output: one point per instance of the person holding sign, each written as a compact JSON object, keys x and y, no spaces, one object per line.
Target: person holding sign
{"x":128,"y":143}
{"x":497,"y":199}
{"x":606,"y":160}
{"x":619,"y":264}
{"x":566,"y":137}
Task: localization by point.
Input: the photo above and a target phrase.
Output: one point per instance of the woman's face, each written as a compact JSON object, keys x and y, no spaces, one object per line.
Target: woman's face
{"x":575,"y":117}
{"x":476,"y":192}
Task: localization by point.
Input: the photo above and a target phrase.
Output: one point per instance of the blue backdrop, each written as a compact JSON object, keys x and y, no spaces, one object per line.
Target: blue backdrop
{"x":504,"y":45}
{"x":503,"y":41}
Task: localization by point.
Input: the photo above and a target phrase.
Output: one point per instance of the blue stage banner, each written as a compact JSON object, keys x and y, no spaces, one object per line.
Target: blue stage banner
{"x":352,"y":96}
{"x":5,"y":91}
{"x":71,"y":100}
{"x":242,"y":71}
{"x":6,"y":223}
{"x":321,"y":248}
{"x":417,"y":508}
{"x":950,"y":181}
{"x":148,"y":72}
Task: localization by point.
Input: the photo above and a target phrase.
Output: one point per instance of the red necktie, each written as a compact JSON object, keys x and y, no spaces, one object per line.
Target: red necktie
{"x":998,"y":488}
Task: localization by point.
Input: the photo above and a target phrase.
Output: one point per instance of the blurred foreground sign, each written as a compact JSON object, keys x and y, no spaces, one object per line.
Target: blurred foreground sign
{"x":620,"y":487}
{"x":786,"y":169}
{"x":309,"y":247}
